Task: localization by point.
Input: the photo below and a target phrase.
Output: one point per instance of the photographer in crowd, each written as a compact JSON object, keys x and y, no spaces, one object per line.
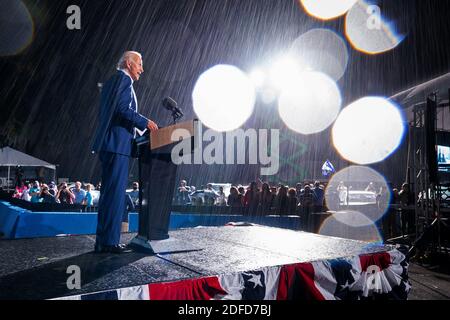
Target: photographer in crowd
{"x":46,"y":196}
{"x":64,"y":195}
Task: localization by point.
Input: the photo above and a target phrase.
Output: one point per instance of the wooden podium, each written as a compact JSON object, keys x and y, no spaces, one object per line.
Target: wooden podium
{"x":157,"y":174}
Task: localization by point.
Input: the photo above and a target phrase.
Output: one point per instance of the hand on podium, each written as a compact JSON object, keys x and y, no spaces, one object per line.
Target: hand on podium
{"x":152,"y":126}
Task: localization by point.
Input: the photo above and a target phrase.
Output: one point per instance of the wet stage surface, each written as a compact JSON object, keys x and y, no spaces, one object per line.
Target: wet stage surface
{"x":37,"y":268}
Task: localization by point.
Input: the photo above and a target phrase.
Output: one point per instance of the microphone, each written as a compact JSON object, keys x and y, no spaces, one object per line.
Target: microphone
{"x":171,"y":105}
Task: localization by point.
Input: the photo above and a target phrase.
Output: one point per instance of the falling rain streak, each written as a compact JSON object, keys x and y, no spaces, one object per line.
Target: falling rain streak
{"x":229,"y":63}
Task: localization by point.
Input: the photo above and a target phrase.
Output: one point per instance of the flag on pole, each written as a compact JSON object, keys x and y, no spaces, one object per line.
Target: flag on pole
{"x":328,"y":168}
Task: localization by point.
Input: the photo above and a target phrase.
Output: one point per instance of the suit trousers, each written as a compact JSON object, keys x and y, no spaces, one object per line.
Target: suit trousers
{"x":112,"y":198}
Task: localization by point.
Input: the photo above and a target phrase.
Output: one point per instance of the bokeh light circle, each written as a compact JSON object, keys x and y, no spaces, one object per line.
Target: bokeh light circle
{"x":327,"y":9}
{"x":16,"y":27}
{"x":224,"y":98}
{"x":368,"y":32}
{"x":323,"y":50}
{"x":358,"y":195}
{"x":310,"y":104}
{"x":268,"y":95}
{"x":335,"y":226}
{"x":258,"y":78}
{"x":368,"y":130}
{"x":285,"y":71}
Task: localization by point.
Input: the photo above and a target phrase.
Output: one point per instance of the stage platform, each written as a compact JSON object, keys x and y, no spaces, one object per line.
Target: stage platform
{"x":234,"y":262}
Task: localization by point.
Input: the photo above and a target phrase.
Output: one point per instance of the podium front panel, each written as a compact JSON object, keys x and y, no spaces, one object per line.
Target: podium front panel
{"x":157,"y":178}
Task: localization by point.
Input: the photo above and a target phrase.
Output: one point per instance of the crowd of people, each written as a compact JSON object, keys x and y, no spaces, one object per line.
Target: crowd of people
{"x":39,"y":192}
{"x":258,"y":198}
{"x":77,"y":193}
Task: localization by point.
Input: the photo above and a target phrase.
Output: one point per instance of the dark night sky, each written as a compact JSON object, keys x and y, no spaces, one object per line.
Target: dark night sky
{"x":49,"y":95}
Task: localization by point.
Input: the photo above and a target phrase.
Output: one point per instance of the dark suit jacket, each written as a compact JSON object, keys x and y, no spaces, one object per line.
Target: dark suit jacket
{"x":118,"y":116}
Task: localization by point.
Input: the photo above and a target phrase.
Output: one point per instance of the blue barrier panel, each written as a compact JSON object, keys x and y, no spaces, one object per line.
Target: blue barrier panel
{"x":50,"y":224}
{"x":17,"y":223}
{"x":9,"y":219}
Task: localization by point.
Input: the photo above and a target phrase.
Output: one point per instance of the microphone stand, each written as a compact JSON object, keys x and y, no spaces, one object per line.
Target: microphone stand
{"x":176,"y":116}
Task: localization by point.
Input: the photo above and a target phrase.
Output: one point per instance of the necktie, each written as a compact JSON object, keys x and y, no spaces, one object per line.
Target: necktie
{"x":136,"y":131}
{"x":135,"y":99}
{"x":136,"y":107}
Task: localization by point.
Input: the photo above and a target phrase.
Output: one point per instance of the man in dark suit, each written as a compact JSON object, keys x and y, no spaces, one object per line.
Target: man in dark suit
{"x":118,"y":120}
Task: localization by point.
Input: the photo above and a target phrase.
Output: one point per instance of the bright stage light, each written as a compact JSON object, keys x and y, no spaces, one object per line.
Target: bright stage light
{"x":223,"y":98}
{"x":310,"y":103}
{"x":324,"y":50}
{"x":327,"y":9}
{"x":258,"y":77}
{"x":367,"y":32}
{"x":335,"y":227}
{"x":285,"y":71}
{"x":359,"y":195}
{"x":368,"y":130}
{"x":268,"y":95}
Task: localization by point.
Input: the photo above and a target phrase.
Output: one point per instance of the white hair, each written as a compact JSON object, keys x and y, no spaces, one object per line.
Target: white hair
{"x":126,"y":57}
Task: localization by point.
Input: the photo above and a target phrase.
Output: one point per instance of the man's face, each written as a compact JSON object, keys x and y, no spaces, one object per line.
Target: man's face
{"x":135,"y":67}
{"x":78,"y":185}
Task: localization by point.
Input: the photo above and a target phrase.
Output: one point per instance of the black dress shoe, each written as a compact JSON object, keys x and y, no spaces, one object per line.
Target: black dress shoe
{"x":117,"y":249}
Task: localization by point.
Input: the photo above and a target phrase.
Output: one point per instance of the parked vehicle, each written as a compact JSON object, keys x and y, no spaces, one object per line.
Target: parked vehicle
{"x":357,"y":197}
{"x":226,"y":187}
